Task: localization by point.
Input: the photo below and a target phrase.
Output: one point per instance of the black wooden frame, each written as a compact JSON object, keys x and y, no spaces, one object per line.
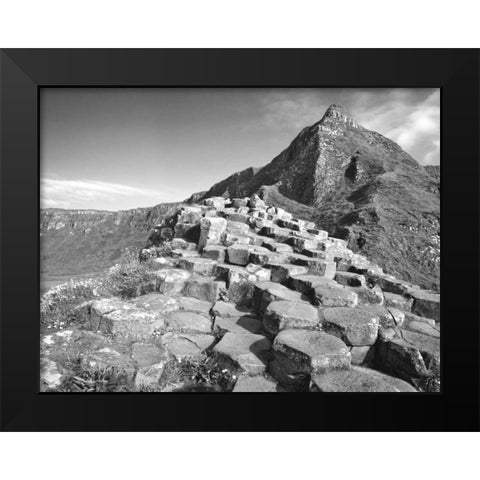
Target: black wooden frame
{"x":25,"y":71}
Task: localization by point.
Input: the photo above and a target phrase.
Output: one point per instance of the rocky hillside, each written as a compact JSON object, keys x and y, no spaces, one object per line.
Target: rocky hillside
{"x":359,"y":186}
{"x":244,"y":298}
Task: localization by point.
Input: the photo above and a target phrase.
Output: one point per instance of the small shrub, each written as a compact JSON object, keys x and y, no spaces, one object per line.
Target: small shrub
{"x":125,"y":278}
{"x":58,"y":305}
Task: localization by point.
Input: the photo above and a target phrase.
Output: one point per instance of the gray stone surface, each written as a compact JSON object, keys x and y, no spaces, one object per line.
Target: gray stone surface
{"x":358,"y":379}
{"x":355,"y":326}
{"x":247,"y":352}
{"x":331,"y":296}
{"x":283,"y":315}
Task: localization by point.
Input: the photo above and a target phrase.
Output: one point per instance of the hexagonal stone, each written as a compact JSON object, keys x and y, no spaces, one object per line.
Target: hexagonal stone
{"x":204,"y":288}
{"x":282,"y":315}
{"x":171,"y":281}
{"x":244,"y":351}
{"x":302,"y":243}
{"x":258,"y":384}
{"x":331,"y":296}
{"x":238,"y":254}
{"x":368,"y":296}
{"x":202,"y":266}
{"x":389,"y":283}
{"x":358,"y":379}
{"x":317,"y":266}
{"x":226,"y":309}
{"x":145,"y":354}
{"x":242,"y":324}
{"x":315,"y":253}
{"x":239,"y":202}
{"x":306,"y":283}
{"x":157,"y":302}
{"x":282,"y":272}
{"x":398,"y":301}
{"x":237,"y":228}
{"x":355,"y":326}
{"x":409,"y":355}
{"x":211,"y":230}
{"x":263,"y":256}
{"x":350,"y":279}
{"x":298,"y":353}
{"x":387,"y":317}
{"x":184,"y":345}
{"x":188,"y":321}
{"x":215,"y":252}
{"x":422,"y":327}
{"x":411,"y":317}
{"x":271,"y":291}
{"x":426,"y":304}
{"x":191,"y":304}
{"x":133,"y":323}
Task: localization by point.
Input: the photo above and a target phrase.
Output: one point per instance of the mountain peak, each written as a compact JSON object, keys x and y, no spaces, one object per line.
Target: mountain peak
{"x":336,"y":113}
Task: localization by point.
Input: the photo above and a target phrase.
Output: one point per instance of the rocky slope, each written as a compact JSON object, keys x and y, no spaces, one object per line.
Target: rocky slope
{"x":260,"y":301}
{"x":359,"y":186}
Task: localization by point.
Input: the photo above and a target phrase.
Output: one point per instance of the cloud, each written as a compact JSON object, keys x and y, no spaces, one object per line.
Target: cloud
{"x":410,"y":117}
{"x":61,"y":193}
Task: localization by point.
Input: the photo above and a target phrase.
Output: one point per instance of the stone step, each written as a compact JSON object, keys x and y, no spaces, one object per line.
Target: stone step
{"x":244,"y":352}
{"x":256,"y":384}
{"x":297,"y":354}
{"x":355,"y":326}
{"x":282,"y":315}
{"x":204,"y":288}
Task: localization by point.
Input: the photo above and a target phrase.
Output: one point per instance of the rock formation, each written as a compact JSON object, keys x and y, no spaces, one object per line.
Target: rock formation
{"x":361,"y":187}
{"x":276,"y":301}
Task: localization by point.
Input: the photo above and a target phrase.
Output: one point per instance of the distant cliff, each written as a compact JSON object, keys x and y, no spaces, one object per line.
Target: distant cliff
{"x":74,"y":242}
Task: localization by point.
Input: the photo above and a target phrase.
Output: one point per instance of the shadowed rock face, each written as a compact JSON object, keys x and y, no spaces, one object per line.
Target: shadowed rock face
{"x":358,"y":185}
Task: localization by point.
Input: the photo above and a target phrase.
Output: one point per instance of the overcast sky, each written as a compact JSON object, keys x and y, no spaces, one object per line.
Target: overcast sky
{"x":117,"y":149}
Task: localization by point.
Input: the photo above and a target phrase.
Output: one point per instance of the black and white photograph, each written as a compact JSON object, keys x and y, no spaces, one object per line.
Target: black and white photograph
{"x":267,"y":240}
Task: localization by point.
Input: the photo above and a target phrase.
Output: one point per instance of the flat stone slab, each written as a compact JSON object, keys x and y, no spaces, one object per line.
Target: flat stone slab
{"x":145,"y":354}
{"x":134,"y":323}
{"x":331,"y":296}
{"x":171,"y":281}
{"x":188,"y":321}
{"x":267,"y":292}
{"x":367,"y":295}
{"x":422,"y":327}
{"x":247,"y":352}
{"x":355,"y":326}
{"x":215,"y":252}
{"x":157,"y":302}
{"x":307,"y":282}
{"x":358,"y":379}
{"x":282,"y":272}
{"x":350,"y":279}
{"x":258,"y":384}
{"x":226,"y":309}
{"x":203,"y":288}
{"x":191,"y":304}
{"x":282,"y":315}
{"x":201,"y":266}
{"x":318,"y":351}
{"x":183,"y":345}
{"x":426,"y":304}
{"x":238,"y":254}
{"x":317,"y":266}
{"x":409,"y":355}
{"x":241,"y":324}
{"x":398,"y":301}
